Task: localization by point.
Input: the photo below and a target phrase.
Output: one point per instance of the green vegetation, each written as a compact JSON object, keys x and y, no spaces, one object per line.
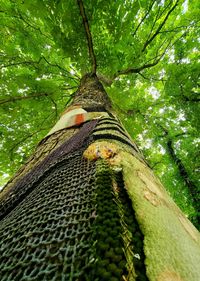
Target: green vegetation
{"x":147,"y":57}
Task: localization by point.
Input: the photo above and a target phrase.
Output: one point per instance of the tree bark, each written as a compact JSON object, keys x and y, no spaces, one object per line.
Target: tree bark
{"x":194,"y":191}
{"x":86,"y":206}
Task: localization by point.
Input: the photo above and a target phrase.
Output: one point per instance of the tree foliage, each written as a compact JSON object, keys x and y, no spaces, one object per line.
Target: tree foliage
{"x":147,"y":57}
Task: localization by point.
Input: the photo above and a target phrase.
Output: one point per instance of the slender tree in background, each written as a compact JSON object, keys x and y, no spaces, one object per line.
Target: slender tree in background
{"x":86,"y":205}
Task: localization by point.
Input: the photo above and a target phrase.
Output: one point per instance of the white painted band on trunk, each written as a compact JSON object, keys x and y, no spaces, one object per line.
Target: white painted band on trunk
{"x":69,"y":119}
{"x":66,"y":120}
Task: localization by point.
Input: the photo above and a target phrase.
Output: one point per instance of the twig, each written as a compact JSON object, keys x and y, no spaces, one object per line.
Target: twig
{"x":54,"y":65}
{"x":21,"y":142}
{"x":151,"y":78}
{"x":155,"y":164}
{"x":70,"y":99}
{"x":55,"y":105}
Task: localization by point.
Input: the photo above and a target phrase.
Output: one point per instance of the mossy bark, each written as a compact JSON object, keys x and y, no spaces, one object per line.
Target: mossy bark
{"x":171,"y":242}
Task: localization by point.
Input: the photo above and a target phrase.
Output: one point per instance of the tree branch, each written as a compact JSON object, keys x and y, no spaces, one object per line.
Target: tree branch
{"x":88,"y":35}
{"x":33,"y":27}
{"x":21,"y":142}
{"x":144,"y":17}
{"x":148,"y":41}
{"x":54,"y":65}
{"x":137,"y":69}
{"x":181,"y":168}
{"x":19,"y":16}
{"x":13,"y":99}
{"x":18,"y":63}
{"x":34,"y":63}
{"x":154,"y":23}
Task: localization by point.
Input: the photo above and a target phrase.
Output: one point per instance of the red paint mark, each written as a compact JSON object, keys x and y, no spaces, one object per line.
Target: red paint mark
{"x":79,"y":118}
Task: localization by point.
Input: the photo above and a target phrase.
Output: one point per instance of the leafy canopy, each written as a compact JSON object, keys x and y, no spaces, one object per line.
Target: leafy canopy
{"x":147,"y":57}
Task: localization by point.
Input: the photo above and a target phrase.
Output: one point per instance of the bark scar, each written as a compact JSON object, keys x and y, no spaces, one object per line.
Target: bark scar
{"x":104,"y":150}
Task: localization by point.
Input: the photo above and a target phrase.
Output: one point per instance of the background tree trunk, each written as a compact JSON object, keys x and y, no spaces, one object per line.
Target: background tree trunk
{"x":86,"y":206}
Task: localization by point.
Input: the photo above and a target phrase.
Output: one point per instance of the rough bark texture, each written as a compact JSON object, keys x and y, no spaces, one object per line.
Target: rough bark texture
{"x":87,"y":207}
{"x":89,"y":94}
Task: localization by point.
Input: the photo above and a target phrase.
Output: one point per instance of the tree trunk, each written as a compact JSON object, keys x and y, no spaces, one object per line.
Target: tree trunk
{"x":86,"y":206}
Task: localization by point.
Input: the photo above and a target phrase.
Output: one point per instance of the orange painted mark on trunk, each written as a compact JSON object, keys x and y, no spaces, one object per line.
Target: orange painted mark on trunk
{"x":79,"y":118}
